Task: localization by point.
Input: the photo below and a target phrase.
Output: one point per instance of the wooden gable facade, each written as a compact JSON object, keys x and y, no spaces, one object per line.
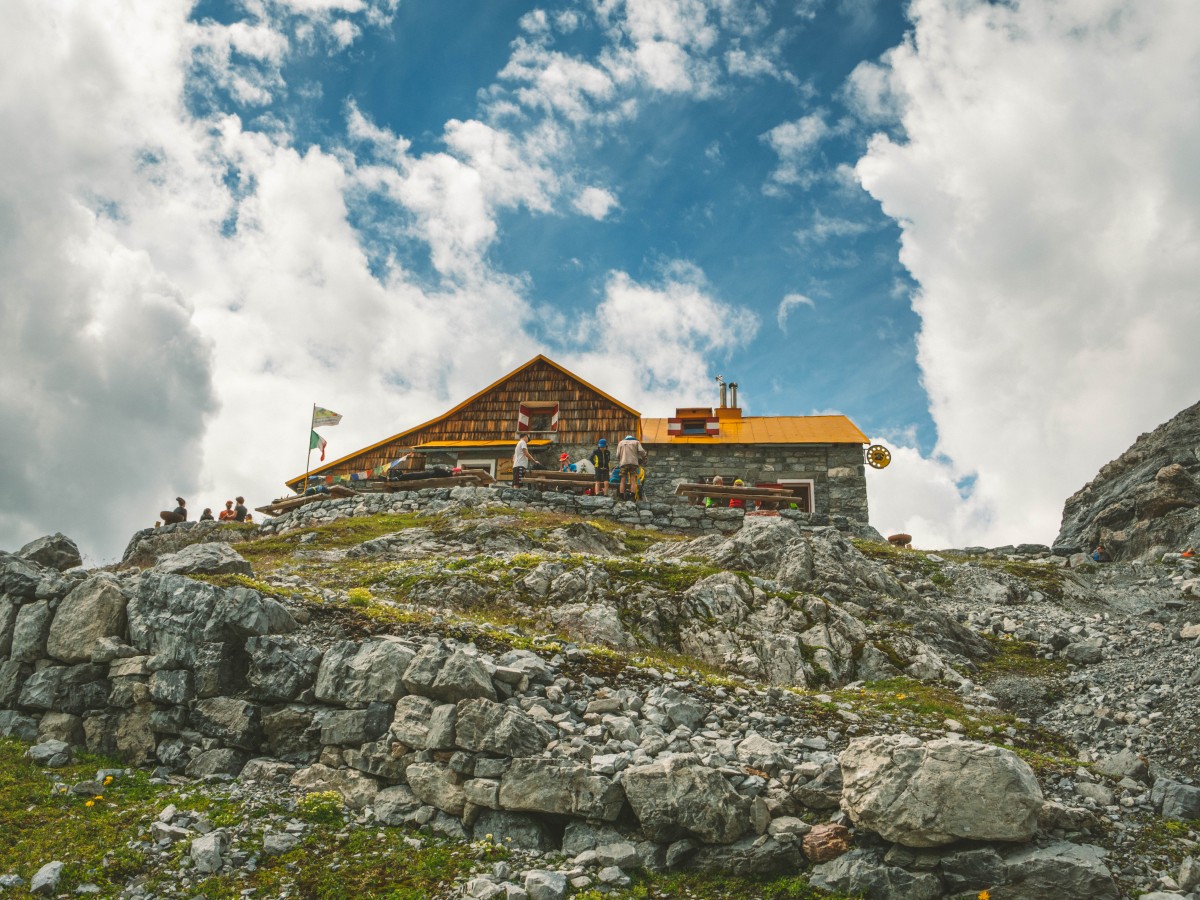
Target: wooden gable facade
{"x":557,"y":410}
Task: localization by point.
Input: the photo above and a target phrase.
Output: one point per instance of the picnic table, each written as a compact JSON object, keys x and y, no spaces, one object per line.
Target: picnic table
{"x":472,"y":478}
{"x":698,"y":492}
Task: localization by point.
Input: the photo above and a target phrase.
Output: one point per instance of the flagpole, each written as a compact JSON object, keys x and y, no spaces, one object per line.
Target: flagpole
{"x":308,"y":459}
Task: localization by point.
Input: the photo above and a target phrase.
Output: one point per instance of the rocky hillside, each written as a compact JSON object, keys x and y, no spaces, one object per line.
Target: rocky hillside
{"x":489,"y":694}
{"x":1146,"y":502}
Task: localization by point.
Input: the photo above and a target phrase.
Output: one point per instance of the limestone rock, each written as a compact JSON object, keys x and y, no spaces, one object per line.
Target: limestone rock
{"x":92,"y":611}
{"x":487,"y":727}
{"x":281,"y":667}
{"x":516,"y":830}
{"x":360,"y":673}
{"x":560,"y":787}
{"x":929,"y":794}
{"x":862,"y":873}
{"x":357,"y":790}
{"x":679,"y":794}
{"x":54,"y":551}
{"x":449,"y":676}
{"x":749,"y":857}
{"x":1176,"y":800}
{"x":30,"y":631}
{"x":436,"y":784}
{"x":45,"y":880}
{"x":208,"y":851}
{"x":1060,"y":870}
{"x":205,"y":559}
{"x":236,"y":723}
{"x":423,"y":723}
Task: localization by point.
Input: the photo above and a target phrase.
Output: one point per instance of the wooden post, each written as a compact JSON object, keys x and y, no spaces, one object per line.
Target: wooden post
{"x":308,"y":459}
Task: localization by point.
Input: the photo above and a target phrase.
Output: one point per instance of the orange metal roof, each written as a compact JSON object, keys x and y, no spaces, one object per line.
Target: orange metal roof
{"x":764,"y":430}
{"x":503,"y":378}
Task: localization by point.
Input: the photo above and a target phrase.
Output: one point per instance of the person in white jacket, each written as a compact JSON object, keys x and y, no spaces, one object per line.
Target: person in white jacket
{"x":522,"y":459}
{"x":630,"y":455}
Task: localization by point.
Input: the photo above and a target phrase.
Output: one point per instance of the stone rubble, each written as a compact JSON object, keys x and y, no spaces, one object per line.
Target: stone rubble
{"x":591,"y":767}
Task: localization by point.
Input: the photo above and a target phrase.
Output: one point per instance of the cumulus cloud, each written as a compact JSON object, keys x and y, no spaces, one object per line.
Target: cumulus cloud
{"x":595,"y":202}
{"x":787,"y":304}
{"x":794,"y":142}
{"x":1049,"y":204}
{"x":652,"y":342}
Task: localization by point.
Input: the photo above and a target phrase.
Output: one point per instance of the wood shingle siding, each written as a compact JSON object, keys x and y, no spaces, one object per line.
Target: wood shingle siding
{"x":585,"y":414}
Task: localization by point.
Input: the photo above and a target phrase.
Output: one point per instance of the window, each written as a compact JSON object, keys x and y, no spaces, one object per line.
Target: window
{"x":694,"y":426}
{"x":538,"y":417}
{"x":801,"y":488}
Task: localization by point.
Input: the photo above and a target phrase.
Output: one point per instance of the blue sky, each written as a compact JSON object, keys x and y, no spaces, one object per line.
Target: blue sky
{"x":970,"y":226}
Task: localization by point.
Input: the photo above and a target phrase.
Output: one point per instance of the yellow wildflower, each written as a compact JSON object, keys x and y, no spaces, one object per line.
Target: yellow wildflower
{"x":984,"y":895}
{"x":90,"y":803}
{"x":901,"y":696}
{"x":107,"y":780}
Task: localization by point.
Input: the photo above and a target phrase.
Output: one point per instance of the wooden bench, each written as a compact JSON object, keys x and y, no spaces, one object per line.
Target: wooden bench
{"x":699,"y":492}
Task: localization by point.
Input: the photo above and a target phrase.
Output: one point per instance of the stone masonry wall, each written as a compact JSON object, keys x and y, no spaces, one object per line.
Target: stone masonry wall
{"x":837,"y":470}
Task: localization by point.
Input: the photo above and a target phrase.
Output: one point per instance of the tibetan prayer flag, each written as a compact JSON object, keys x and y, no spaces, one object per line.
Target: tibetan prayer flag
{"x":324,"y":417}
{"x":316,"y":442}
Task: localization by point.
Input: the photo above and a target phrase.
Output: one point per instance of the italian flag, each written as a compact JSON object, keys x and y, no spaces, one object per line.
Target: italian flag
{"x":316,"y":442}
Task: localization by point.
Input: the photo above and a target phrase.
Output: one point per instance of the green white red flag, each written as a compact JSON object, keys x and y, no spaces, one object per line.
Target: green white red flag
{"x":316,"y":442}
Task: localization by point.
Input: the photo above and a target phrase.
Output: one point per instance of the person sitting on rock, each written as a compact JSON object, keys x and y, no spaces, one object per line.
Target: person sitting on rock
{"x":176,"y":515}
{"x":1101,"y":555}
{"x":207,"y":515}
{"x":240,"y":513}
{"x":227,"y":514}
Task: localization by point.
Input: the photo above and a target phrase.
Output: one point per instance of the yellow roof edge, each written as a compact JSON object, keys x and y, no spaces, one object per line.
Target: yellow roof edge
{"x":453,"y":410}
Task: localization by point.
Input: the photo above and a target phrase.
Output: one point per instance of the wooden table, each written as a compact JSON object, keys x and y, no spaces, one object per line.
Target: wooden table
{"x":559,"y":481}
{"x":697,"y":492}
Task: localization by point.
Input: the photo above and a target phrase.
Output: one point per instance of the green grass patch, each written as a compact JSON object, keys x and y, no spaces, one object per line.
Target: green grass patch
{"x":915,"y":561}
{"x":712,"y":886}
{"x":1017,"y":658}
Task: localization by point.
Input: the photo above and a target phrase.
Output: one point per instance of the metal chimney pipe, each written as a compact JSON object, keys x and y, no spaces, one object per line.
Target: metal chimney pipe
{"x":733,"y":394}
{"x":721,"y":382}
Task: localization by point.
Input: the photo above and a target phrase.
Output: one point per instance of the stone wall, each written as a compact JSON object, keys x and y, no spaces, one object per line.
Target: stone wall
{"x":837,"y":470}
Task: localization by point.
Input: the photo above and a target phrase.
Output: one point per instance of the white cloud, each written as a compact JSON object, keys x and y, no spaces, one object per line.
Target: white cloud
{"x":650,"y":343}
{"x":1050,"y":208}
{"x":787,"y":304}
{"x":795,"y":142}
{"x":595,"y":202}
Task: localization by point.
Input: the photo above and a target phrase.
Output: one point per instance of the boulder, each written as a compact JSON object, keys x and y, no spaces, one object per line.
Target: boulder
{"x":281,"y":667}
{"x":46,"y":879}
{"x":236,"y":723}
{"x":863,"y":873}
{"x":749,"y":857}
{"x":54,"y":551}
{"x":436,"y":784}
{"x":205,"y":559}
{"x":423,"y":723}
{"x":353,"y":727}
{"x":292,"y":734}
{"x":1061,"y":870}
{"x":19,"y":578}
{"x":8,"y":620}
{"x":449,"y":676}
{"x":559,"y":787}
{"x":94,"y":610}
{"x":487,"y":727}
{"x":678,"y":794}
{"x":394,"y":805}
{"x":1176,"y":800}
{"x":223,"y":761}
{"x":360,"y":673}
{"x":826,"y":841}
{"x":208,"y":851}
{"x":13,"y":673}
{"x":30,"y":631}
{"x":929,"y":794}
{"x":516,"y":830}
{"x":357,"y":790}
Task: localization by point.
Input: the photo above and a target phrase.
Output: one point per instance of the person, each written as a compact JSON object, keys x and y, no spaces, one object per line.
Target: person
{"x":564,"y":463}
{"x":227,"y":514}
{"x":522,"y":460}
{"x":737,"y":502}
{"x":601,"y":463}
{"x":1100,"y":555}
{"x":207,"y":515}
{"x":249,"y":519}
{"x":1188,"y":553}
{"x":176,"y":515}
{"x":717,"y":481}
{"x":630,"y":455}
{"x":614,"y":481}
{"x":240,"y":513}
